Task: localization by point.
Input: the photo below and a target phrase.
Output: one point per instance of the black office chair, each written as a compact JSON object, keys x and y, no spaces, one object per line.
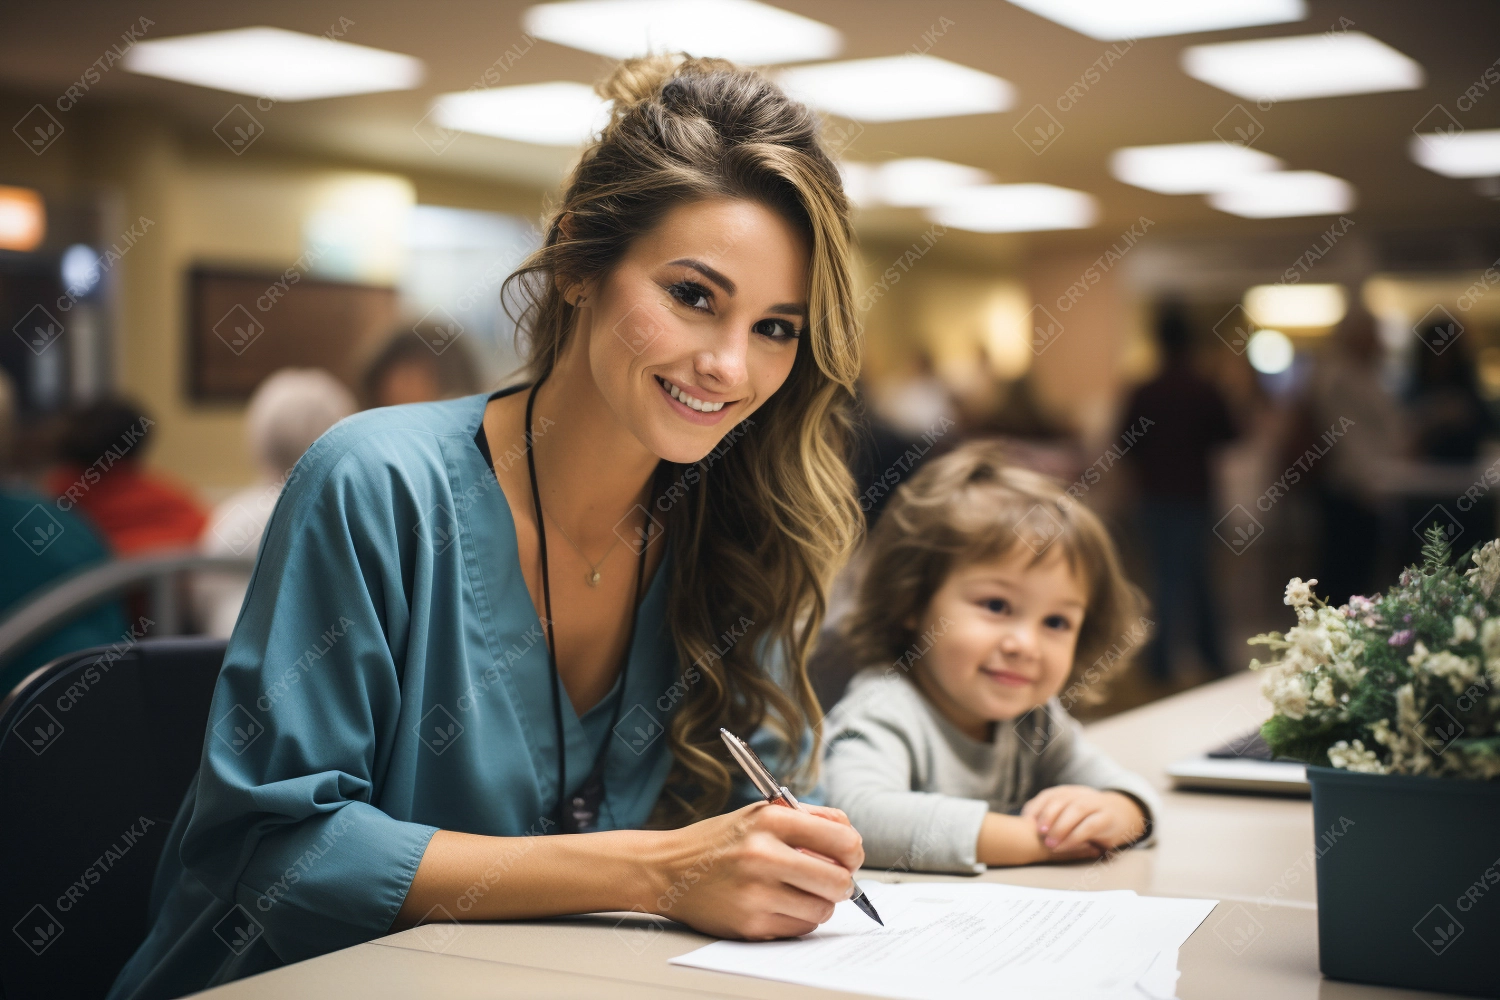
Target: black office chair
{"x":97,"y":750}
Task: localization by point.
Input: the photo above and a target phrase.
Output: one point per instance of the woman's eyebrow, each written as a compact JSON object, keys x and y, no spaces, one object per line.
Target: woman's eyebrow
{"x":722,"y":280}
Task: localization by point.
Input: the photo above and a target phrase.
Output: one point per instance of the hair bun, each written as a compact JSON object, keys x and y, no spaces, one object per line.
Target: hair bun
{"x":639,"y":79}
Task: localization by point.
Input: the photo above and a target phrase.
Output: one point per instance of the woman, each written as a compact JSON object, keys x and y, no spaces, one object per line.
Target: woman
{"x":383,"y":745}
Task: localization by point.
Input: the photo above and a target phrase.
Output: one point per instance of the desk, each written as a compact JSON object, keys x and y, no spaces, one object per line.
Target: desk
{"x":1254,"y":853}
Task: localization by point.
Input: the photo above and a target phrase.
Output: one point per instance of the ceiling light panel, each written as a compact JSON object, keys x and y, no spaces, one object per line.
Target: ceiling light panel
{"x":1188,"y":167}
{"x":1296,"y":305}
{"x":745,"y":31}
{"x":1111,"y":20}
{"x":1284,"y":194}
{"x":1461,"y":154}
{"x":270,"y":62}
{"x":920,"y":181}
{"x":897,"y":88}
{"x":562,"y":113}
{"x":1303,"y":66}
{"x":1017,"y":208}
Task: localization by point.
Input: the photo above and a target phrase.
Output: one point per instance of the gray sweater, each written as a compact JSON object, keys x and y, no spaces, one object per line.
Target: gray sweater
{"x":918,"y":789}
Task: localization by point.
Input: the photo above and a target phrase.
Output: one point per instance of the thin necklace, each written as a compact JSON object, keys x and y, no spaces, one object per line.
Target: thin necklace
{"x":592,"y":576}
{"x":581,"y":813}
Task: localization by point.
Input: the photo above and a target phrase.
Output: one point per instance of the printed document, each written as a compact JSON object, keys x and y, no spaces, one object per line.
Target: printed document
{"x":949,"y":941}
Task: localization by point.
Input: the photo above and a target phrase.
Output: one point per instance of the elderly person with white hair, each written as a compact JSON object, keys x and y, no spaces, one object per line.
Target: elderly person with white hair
{"x":289,"y":411}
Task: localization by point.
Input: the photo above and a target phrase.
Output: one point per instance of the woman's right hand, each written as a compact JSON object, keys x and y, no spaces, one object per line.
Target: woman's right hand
{"x":752,"y":873}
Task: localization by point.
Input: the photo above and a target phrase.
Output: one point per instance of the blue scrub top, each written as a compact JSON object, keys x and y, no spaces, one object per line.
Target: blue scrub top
{"x":387,"y":677}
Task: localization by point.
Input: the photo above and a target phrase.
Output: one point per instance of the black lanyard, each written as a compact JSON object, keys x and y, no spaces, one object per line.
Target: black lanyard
{"x":581,"y":815}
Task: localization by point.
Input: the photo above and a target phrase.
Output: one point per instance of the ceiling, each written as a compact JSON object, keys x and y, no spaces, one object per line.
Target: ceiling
{"x":1143,"y":98}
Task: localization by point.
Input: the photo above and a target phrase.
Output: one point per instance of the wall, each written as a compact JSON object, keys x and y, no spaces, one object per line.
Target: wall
{"x":198,"y":203}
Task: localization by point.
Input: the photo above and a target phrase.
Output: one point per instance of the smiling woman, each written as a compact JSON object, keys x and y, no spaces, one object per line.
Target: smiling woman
{"x":691,"y":351}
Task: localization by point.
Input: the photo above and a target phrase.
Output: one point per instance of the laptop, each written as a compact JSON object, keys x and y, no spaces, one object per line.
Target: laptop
{"x":1244,"y":764}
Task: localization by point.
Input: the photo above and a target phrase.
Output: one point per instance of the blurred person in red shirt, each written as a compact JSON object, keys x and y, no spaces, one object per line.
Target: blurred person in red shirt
{"x":102,"y":475}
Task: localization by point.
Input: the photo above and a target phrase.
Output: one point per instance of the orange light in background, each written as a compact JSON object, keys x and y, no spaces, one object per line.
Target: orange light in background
{"x":23,"y":220}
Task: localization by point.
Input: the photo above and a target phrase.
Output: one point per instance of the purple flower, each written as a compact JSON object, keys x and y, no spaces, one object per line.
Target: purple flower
{"x":1402,"y":637}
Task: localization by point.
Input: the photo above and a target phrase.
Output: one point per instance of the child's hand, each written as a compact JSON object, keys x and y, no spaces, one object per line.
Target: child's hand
{"x":1072,"y":816}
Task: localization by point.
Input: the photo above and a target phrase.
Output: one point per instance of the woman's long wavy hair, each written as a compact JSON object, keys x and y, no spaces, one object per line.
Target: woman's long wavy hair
{"x":758,"y":539}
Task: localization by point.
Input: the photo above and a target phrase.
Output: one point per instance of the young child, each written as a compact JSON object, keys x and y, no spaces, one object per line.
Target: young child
{"x":985,"y":586}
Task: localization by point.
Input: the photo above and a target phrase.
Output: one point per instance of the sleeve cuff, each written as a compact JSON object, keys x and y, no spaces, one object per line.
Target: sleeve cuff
{"x":949,"y":838}
{"x":1148,"y":836}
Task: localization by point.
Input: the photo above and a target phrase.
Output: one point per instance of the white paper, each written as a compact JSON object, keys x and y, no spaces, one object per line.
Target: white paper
{"x":948,"y":941}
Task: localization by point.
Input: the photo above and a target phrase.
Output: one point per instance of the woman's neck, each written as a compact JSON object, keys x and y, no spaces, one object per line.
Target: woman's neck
{"x":591,"y":470}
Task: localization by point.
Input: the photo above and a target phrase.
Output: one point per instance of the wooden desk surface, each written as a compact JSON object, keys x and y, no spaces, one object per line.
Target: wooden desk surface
{"x":1253,"y":853}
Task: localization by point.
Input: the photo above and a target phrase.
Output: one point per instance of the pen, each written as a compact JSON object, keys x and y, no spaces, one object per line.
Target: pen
{"x":777,"y":793}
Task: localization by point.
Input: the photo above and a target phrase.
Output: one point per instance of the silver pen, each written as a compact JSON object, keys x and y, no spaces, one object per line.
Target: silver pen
{"x":776,"y":792}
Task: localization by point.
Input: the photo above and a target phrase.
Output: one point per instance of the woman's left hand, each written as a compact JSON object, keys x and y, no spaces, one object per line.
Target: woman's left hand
{"x":1070,"y":816}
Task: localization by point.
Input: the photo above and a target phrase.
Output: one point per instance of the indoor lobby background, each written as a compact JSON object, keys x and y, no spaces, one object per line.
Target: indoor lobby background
{"x":1285,"y":232}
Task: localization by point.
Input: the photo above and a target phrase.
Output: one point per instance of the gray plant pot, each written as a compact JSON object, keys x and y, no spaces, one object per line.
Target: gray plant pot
{"x":1408,"y":880}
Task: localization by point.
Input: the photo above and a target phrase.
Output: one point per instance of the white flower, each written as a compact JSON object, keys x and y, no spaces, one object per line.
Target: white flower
{"x":1299,"y":595}
{"x":1286,"y":691}
{"x":1489,"y":637}
{"x":1354,"y":757}
{"x":1322,"y":692}
{"x":1463,"y":630}
{"x":1486,"y":569}
{"x":1409,"y":753}
{"x":1461,"y":671}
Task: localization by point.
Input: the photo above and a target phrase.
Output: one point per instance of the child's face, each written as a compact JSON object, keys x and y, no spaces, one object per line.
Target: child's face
{"x":1008,"y":645}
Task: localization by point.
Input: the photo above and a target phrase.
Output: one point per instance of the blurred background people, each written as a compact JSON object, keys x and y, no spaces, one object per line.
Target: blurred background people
{"x":46,"y":545}
{"x":1358,"y":427}
{"x":918,"y":401}
{"x":103,"y":475}
{"x":1450,"y":420}
{"x":305,"y":252}
{"x":417,"y":365}
{"x":1176,"y":422}
{"x":288,"y":412}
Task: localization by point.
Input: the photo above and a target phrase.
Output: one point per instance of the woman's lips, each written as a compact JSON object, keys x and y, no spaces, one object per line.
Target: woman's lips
{"x":690,"y":414}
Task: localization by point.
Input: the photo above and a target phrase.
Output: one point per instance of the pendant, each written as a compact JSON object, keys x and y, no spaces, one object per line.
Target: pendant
{"x":592,"y":578}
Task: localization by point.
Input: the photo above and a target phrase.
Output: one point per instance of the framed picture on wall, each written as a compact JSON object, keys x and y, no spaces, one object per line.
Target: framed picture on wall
{"x":244,"y":325}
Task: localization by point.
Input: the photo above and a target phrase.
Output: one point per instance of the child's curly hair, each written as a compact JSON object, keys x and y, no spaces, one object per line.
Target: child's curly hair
{"x":970,"y":506}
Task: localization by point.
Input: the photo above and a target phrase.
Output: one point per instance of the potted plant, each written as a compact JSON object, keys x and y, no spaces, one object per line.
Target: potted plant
{"x":1393,"y":702}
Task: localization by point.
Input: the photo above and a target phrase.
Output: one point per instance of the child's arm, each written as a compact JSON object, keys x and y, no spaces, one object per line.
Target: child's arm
{"x":1068,"y":817}
{"x":874,"y":764}
{"x":1071,"y":761}
{"x":1015,"y":840}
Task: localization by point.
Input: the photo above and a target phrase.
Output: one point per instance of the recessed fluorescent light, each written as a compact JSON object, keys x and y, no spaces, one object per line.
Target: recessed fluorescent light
{"x":270,"y":62}
{"x":897,"y":88}
{"x":859,"y":181}
{"x":549,"y":114}
{"x":1270,"y":352}
{"x":1466,"y":154}
{"x":1016,"y":208}
{"x":1188,"y":167}
{"x":742,"y":30}
{"x":1295,"y":305}
{"x":1149,"y":18}
{"x":1303,"y":66}
{"x":1280,"y":194}
{"x":920,"y":181}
